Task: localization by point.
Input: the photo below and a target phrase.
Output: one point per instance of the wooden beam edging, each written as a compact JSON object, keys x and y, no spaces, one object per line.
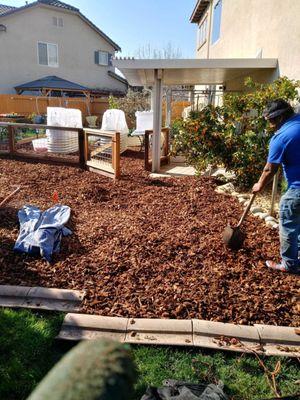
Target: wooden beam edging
{"x":261,"y":339}
{"x":41,"y":298}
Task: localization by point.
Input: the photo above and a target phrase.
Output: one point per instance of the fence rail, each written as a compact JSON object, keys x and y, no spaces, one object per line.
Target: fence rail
{"x":94,"y":149}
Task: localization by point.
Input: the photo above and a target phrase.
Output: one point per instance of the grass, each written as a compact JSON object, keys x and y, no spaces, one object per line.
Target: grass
{"x":28,"y":350}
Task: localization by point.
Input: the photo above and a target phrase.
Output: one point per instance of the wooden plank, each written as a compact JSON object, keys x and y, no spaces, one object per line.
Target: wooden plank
{"x":41,"y":298}
{"x":11,"y":139}
{"x":116,"y":155}
{"x":37,"y":126}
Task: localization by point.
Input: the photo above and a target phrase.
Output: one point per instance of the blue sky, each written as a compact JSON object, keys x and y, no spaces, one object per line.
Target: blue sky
{"x":136,"y":23}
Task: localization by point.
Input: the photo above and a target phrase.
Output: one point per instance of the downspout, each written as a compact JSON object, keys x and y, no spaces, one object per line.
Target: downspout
{"x":209,"y":27}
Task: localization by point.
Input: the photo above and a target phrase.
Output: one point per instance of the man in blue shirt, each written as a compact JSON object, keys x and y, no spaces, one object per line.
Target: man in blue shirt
{"x":285,"y":149}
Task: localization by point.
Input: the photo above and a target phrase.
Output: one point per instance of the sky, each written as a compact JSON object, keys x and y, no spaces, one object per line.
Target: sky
{"x":134,"y":24}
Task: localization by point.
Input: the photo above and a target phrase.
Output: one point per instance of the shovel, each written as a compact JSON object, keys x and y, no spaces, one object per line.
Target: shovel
{"x":234,"y":237}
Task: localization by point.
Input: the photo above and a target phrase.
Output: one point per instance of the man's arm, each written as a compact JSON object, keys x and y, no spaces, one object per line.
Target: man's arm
{"x":268,"y":173}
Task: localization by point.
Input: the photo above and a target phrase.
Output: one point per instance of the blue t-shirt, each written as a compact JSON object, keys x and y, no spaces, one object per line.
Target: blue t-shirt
{"x":285,"y":149}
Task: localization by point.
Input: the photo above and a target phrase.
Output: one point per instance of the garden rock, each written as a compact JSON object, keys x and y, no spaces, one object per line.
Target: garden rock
{"x":272,"y":224}
{"x":256,"y":210}
{"x":227,"y":188}
{"x":262,"y":215}
{"x":270,"y":219}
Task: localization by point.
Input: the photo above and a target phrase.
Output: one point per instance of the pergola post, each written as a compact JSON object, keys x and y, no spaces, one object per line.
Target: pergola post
{"x":157,"y":115}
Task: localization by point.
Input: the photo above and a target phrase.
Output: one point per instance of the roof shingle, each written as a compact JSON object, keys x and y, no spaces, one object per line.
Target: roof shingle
{"x":4,"y":9}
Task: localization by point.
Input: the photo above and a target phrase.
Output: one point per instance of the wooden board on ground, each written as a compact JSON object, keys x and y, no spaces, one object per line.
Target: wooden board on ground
{"x":41,"y":298}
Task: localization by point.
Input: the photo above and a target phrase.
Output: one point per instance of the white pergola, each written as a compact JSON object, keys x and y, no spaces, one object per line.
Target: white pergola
{"x":159,"y":73}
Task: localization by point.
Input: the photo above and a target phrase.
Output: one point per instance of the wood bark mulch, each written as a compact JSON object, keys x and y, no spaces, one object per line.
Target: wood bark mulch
{"x":148,"y":248}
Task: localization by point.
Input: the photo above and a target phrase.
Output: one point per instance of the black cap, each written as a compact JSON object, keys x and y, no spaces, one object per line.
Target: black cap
{"x":276,"y":108}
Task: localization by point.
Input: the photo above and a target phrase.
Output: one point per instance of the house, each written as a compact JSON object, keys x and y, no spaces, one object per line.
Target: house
{"x":250,"y":29}
{"x":48,"y":38}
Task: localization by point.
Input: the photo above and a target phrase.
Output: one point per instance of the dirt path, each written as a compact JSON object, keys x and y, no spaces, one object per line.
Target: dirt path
{"x":148,"y":248}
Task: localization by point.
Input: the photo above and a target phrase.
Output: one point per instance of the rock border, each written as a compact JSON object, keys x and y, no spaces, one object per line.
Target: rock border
{"x":243,"y":198}
{"x":261,"y":339}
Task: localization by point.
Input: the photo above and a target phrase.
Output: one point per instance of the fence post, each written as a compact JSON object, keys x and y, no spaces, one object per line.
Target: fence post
{"x":81,"y":148}
{"x":116,"y":154}
{"x":167,"y":143}
{"x":147,"y":142}
{"x":11,"y":139}
{"x":274,"y":193}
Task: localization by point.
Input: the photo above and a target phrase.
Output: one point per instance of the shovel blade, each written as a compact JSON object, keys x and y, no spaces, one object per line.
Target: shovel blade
{"x":233,"y":237}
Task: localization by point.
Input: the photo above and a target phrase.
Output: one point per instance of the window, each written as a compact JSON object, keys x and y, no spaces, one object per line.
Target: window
{"x":216,"y":21}
{"x":48,"y":54}
{"x":102,"y":58}
{"x":58,"y":22}
{"x":202,"y":33}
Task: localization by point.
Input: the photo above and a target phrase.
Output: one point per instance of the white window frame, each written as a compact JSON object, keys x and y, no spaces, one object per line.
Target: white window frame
{"x":107,"y":54}
{"x":38,"y":57}
{"x":58,"y":22}
{"x":202,"y":32}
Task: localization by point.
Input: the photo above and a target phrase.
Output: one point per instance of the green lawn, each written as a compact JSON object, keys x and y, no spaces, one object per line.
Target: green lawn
{"x":28,"y":350}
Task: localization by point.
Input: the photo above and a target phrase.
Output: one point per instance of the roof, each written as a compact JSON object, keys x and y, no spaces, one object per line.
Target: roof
{"x":199,"y":10}
{"x":7,"y":10}
{"x":4,"y":9}
{"x":51,"y":82}
{"x":192,"y":71}
{"x":118,"y":77}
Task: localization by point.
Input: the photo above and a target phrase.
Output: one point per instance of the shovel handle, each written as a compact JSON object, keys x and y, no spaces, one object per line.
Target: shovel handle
{"x":246,"y":210}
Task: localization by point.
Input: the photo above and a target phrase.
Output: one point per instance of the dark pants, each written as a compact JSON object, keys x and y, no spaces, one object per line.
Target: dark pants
{"x":289,"y":229}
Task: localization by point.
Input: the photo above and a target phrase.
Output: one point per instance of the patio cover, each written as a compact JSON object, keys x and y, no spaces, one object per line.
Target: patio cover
{"x":49,"y":83}
{"x":192,"y":71}
{"x":157,"y":73}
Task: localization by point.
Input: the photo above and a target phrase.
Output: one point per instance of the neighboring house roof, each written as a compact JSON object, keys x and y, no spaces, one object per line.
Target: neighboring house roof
{"x":51,"y":82}
{"x":59,"y":4}
{"x":118,"y":77}
{"x":4,"y":9}
{"x":199,"y":10}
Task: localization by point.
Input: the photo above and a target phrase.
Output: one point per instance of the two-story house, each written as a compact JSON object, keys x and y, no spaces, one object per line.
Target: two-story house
{"x":51,"y":38}
{"x":250,"y":29}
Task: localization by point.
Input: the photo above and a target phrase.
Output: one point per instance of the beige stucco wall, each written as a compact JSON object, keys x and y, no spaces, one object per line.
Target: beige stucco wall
{"x":76,"y":42}
{"x":251,"y":26}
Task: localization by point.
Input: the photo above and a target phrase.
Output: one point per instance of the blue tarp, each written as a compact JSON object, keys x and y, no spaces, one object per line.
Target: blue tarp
{"x":41,"y":232}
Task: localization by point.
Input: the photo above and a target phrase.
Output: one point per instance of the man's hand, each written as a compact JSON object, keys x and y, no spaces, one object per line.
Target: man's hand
{"x":257,"y":188}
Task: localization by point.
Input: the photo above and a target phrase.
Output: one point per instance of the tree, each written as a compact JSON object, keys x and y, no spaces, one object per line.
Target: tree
{"x":167,"y":52}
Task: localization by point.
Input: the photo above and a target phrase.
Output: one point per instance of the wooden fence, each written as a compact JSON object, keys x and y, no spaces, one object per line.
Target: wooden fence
{"x":27,"y":105}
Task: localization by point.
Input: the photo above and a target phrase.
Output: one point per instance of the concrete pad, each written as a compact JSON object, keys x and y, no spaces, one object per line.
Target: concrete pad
{"x":160,"y":332}
{"x":174,"y":170}
{"x":83,"y":326}
{"x":279,"y":340}
{"x":221,"y":336}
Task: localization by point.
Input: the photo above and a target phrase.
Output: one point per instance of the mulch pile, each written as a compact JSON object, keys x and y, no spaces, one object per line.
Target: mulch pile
{"x":148,"y":248}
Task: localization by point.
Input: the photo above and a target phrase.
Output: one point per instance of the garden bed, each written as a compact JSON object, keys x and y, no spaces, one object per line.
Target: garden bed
{"x":148,"y":248}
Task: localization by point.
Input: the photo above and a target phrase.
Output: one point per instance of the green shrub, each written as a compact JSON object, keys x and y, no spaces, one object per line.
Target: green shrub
{"x":234,"y":135}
